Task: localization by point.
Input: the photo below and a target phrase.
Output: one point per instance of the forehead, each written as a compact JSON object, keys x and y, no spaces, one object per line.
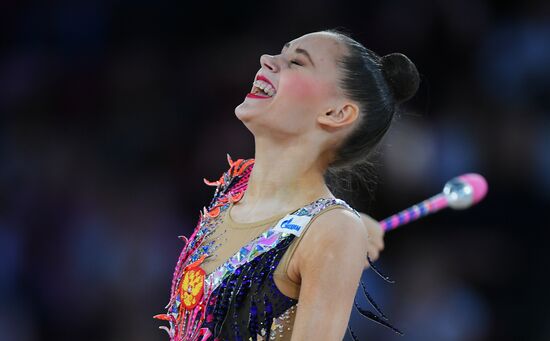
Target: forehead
{"x":322,"y":46}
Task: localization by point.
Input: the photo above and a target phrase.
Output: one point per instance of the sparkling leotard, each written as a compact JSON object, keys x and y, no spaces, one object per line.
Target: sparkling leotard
{"x":218,"y":294}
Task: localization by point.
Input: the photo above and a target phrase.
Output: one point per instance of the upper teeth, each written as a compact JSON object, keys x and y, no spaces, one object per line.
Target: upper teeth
{"x":266,"y":87}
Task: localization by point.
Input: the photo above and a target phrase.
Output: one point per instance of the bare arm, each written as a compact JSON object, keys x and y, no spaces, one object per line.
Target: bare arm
{"x":330,"y":262}
{"x":376,"y":237}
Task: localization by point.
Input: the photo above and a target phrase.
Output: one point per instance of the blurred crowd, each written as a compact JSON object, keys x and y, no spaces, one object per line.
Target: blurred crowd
{"x":112,"y":113}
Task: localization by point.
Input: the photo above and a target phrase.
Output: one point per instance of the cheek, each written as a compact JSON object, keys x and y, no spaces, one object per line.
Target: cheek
{"x":304,"y":88}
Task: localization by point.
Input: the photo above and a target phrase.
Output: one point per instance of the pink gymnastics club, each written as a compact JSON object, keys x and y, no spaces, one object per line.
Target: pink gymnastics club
{"x":459,"y":193}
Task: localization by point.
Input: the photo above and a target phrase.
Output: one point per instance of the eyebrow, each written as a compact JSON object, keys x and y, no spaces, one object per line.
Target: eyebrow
{"x":301,"y":51}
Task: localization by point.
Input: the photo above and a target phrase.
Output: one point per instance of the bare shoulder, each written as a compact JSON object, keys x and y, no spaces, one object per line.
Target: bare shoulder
{"x":335,"y":231}
{"x":338,"y":223}
{"x":331,"y":260}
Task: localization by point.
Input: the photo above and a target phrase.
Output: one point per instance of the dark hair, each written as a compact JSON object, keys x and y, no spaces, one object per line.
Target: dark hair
{"x":378,"y":85}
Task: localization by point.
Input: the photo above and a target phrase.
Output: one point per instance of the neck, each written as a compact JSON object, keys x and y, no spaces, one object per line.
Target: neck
{"x":285,"y":175}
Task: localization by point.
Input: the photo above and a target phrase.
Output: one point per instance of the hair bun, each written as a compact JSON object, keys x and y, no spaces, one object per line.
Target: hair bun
{"x":402,"y":75}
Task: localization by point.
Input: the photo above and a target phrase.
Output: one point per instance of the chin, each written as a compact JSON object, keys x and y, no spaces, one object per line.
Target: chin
{"x":244,"y":112}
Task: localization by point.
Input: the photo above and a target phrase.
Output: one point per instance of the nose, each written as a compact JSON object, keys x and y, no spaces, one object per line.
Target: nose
{"x":268,"y":61}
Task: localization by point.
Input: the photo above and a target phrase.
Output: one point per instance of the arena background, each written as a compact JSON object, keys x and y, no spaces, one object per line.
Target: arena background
{"x":112,"y":112}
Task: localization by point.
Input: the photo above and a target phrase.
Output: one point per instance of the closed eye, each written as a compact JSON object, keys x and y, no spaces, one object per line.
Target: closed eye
{"x":294,"y":61}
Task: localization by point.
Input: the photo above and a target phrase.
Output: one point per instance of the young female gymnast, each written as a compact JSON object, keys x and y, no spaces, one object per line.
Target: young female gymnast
{"x":276,"y":255}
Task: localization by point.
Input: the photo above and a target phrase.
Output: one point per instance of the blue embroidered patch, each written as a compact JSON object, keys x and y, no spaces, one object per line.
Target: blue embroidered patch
{"x":292,"y":223}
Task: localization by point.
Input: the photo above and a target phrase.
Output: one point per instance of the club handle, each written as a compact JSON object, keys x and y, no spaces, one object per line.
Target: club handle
{"x":422,"y":209}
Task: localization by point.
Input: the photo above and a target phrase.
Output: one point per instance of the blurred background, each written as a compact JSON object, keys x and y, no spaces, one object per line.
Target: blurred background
{"x":112,"y":112}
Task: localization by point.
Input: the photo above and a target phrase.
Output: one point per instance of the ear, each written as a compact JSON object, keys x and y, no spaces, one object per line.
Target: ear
{"x":339,"y":117}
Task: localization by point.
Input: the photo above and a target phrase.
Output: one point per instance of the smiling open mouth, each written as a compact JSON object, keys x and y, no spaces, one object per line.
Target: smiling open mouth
{"x":262,"y":88}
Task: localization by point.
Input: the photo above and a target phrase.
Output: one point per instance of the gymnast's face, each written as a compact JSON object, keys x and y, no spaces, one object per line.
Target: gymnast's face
{"x":294,"y":88}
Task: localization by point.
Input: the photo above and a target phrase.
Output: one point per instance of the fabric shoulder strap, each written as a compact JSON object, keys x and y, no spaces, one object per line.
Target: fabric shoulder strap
{"x":298,"y":221}
{"x":316,"y":209}
{"x":292,"y":225}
